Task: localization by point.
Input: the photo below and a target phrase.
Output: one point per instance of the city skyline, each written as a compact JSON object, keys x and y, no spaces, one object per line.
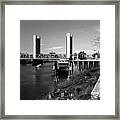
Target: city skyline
{"x":53,"y":35}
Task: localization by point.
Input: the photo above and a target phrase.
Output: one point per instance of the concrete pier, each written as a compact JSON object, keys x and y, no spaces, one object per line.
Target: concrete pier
{"x":86,"y":64}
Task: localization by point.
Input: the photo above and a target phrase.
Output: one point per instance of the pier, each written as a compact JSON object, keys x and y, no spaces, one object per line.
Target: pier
{"x":79,"y":64}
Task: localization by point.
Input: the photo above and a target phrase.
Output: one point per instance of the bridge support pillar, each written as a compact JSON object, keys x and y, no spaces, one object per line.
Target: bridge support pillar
{"x":83,"y":64}
{"x":88,"y":64}
{"x":93,"y":64}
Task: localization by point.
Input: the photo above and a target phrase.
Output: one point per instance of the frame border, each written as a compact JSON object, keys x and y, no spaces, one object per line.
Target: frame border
{"x":61,"y":2}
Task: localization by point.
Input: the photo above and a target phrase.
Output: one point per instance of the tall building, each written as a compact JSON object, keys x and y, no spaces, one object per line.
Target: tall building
{"x":36,"y":46}
{"x":69,"y":45}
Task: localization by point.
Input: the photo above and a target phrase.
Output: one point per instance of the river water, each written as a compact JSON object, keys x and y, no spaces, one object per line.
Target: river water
{"x":35,"y":82}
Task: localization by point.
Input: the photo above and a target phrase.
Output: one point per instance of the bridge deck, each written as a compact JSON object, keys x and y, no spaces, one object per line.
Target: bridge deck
{"x":56,"y":59}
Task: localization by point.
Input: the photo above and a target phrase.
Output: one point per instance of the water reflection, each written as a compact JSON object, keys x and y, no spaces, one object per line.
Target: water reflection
{"x":35,"y":82}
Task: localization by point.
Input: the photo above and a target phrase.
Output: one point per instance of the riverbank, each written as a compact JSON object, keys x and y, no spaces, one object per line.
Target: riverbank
{"x":78,"y":87}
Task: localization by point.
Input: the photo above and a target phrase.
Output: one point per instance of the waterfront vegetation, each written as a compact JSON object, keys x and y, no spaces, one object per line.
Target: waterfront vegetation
{"x":77,"y":87}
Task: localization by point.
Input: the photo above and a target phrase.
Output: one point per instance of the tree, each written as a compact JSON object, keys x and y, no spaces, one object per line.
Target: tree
{"x":82,"y":55}
{"x":96,"y":44}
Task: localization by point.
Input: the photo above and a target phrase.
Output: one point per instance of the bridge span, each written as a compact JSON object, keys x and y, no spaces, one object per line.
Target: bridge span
{"x":79,"y":64}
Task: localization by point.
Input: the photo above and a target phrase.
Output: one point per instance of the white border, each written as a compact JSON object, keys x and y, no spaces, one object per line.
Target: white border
{"x":15,"y":13}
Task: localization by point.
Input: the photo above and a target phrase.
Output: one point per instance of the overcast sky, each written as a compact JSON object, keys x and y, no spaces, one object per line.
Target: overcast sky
{"x":53,"y":34}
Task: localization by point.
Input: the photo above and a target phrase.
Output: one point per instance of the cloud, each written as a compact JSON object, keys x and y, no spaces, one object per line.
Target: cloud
{"x":56,"y":48}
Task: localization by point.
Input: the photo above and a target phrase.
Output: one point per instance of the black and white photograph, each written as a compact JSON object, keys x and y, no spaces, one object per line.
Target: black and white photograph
{"x":59,"y":59}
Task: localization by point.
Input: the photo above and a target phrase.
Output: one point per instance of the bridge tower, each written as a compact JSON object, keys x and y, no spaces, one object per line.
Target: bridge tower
{"x":69,"y":50}
{"x":69,"y":45}
{"x":36,"y":46}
